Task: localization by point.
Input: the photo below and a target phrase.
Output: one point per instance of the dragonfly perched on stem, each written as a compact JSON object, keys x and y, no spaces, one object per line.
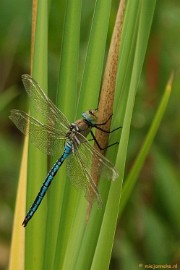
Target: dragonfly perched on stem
{"x":54,"y":133}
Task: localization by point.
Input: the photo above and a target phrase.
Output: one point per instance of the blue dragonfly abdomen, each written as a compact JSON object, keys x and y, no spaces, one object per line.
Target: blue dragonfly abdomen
{"x":47,"y":182}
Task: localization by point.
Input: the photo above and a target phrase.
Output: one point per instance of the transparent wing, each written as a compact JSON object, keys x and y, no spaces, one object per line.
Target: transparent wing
{"x":49,"y":140}
{"x":44,"y":105}
{"x":95,"y":161}
{"x":86,"y":165}
{"x":80,"y":177}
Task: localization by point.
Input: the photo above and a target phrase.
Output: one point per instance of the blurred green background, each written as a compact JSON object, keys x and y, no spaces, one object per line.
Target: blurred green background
{"x":149,"y":229}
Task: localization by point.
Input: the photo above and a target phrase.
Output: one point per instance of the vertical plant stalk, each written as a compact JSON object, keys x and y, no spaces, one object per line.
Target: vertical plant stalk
{"x":134,"y":173}
{"x":17,"y":256}
{"x":106,"y":101}
{"x":109,"y":222}
{"x":62,"y":192}
{"x":34,"y":15}
{"x":37,"y":162}
{"x":16,"y":261}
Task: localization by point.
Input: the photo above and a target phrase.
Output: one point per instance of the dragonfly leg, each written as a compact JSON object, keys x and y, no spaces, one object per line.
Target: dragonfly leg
{"x":101,"y":124}
{"x":102,"y":148}
{"x":97,"y":125}
{"x":106,"y":131}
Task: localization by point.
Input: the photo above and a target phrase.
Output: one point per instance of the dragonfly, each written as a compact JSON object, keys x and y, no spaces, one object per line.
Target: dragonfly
{"x":54,"y":133}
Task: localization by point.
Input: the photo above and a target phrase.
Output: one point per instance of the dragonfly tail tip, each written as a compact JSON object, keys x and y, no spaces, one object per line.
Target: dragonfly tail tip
{"x":24,"y":223}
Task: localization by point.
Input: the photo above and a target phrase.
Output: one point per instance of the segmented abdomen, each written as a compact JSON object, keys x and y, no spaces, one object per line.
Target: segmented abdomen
{"x":47,"y":182}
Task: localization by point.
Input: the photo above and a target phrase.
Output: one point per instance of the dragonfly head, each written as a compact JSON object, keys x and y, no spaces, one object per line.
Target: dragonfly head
{"x":90,"y":116}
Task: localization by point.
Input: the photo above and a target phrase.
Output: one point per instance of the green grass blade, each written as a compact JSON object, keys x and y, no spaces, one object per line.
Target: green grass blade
{"x":62,"y":193}
{"x":91,"y":233}
{"x":133,"y":175}
{"x":68,"y":70}
{"x":126,"y":58}
{"x":37,"y":162}
{"x":95,"y":56}
{"x":58,"y":236}
{"x":88,"y":99}
{"x":106,"y":236}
